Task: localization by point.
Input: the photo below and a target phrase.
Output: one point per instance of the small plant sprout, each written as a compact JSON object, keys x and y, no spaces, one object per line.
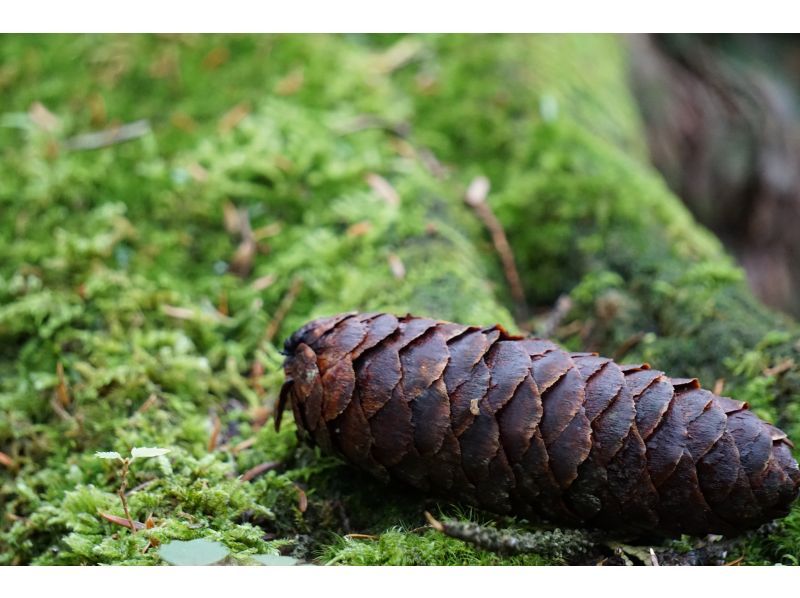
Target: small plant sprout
{"x":136,"y":453}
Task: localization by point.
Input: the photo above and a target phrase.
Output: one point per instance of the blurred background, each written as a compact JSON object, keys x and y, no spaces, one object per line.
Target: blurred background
{"x":722,"y":116}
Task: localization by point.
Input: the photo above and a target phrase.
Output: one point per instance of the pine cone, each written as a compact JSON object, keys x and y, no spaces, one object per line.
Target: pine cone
{"x":515,"y":425}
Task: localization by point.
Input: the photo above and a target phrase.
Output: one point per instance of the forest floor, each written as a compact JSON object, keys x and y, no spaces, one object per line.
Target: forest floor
{"x":173,"y":207}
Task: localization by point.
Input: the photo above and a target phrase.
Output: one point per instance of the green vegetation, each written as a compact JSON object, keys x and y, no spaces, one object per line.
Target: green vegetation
{"x":146,"y":286}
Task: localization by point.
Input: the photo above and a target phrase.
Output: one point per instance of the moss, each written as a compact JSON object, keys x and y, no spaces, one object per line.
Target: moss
{"x":122,"y":270}
{"x":405,"y":547}
{"x":120,"y":277}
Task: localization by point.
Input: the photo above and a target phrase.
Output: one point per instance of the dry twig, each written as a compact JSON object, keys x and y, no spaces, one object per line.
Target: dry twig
{"x":283,"y":309}
{"x":475,"y":197}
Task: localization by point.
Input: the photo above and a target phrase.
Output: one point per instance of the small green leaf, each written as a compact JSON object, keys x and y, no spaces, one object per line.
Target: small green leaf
{"x":108,"y":455}
{"x":194,"y":552}
{"x":274,"y":559}
{"x":144,"y":452}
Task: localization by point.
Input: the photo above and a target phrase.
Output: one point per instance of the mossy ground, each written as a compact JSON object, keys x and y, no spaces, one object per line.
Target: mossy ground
{"x":128,"y":266}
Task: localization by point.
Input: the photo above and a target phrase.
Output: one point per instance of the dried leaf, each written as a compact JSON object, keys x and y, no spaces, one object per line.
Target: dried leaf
{"x":111,"y":136}
{"x":179,"y":313}
{"x":383,"y":189}
{"x":242,"y":261}
{"x":184,"y":122}
{"x":62,"y":392}
{"x":216,"y":58}
{"x":243,"y":445}
{"x":264,"y":282}
{"x":43,"y":118}
{"x":231,"y":217}
{"x":398,"y":55}
{"x":396,"y":266}
{"x":197,"y":172}
{"x":121,"y":521}
{"x":233,"y":117}
{"x":259,"y":470}
{"x":302,"y":499}
{"x":216,"y":427}
{"x":151,"y":400}
{"x":290,"y":84}
{"x":359,"y":229}
{"x":7,"y":461}
{"x":265,"y":232}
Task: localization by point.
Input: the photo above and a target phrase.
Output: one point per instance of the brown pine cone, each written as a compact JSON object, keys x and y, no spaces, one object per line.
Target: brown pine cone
{"x":516,"y":425}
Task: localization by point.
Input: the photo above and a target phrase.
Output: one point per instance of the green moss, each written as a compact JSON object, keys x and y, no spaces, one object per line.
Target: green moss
{"x":406,"y":547}
{"x":116,"y":263}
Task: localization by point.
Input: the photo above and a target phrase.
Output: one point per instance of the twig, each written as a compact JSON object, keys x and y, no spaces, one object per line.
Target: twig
{"x":112,"y":136}
{"x":60,"y":411}
{"x":124,"y":475}
{"x":628,"y":344}
{"x":782,"y":367}
{"x":566,"y":544}
{"x":283,"y":309}
{"x":556,"y":316}
{"x":653,"y":558}
{"x":476,"y":198}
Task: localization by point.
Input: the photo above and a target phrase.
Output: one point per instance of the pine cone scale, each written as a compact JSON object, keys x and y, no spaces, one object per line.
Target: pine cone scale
{"x":519,"y":425}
